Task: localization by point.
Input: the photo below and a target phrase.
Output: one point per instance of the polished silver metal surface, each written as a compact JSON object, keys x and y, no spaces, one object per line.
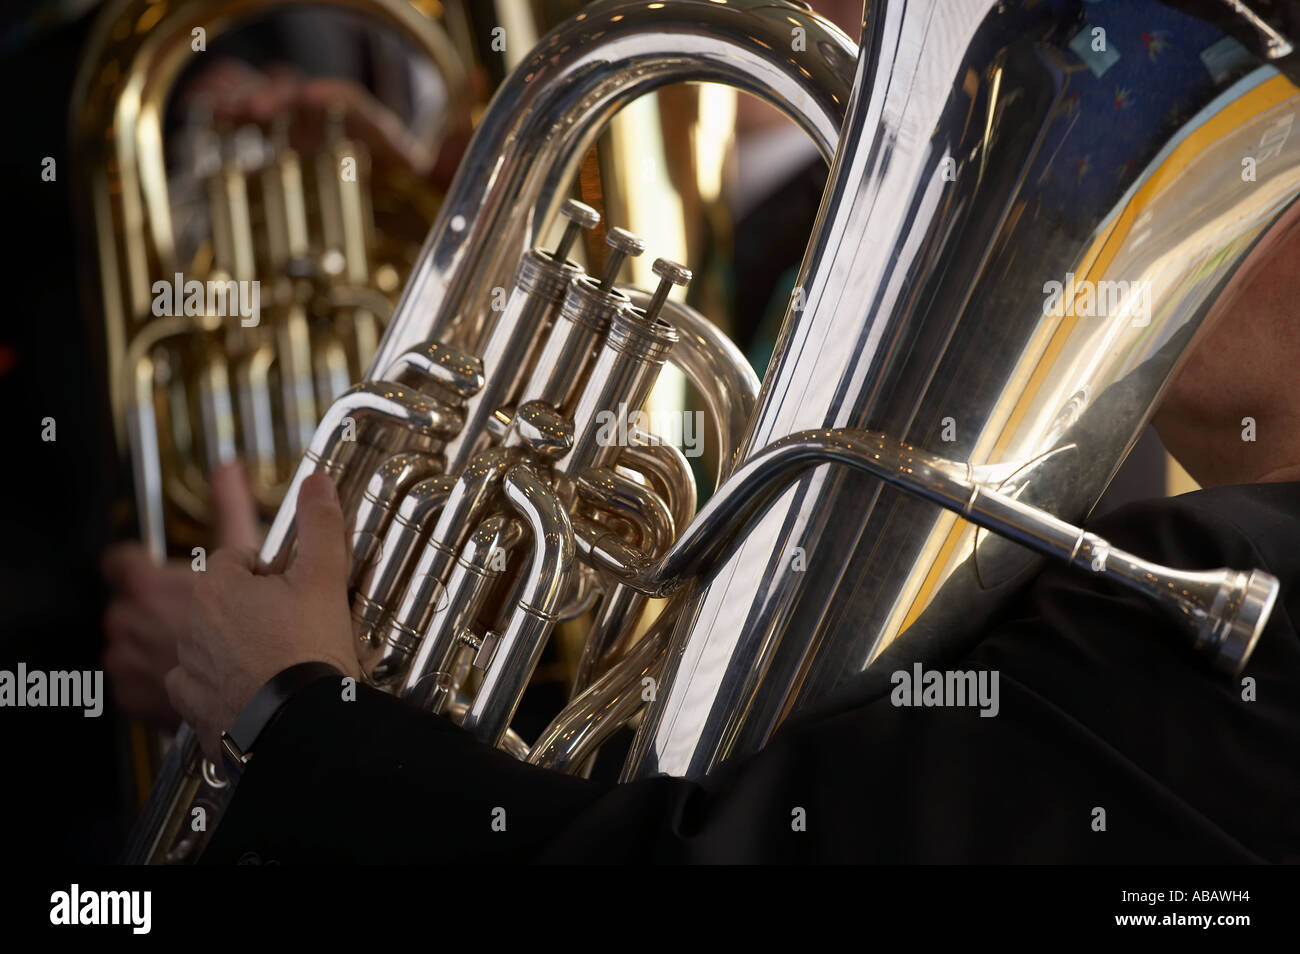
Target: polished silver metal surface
{"x":386,"y":576}
{"x":625,"y":369}
{"x":1222,"y":611}
{"x":534,"y":614}
{"x":384,"y":660}
{"x":520,"y":164}
{"x":516,"y":173}
{"x":570,"y":349}
{"x":923,"y":386}
{"x":441,"y":365}
{"x":716,"y":369}
{"x":923,"y":309}
{"x":622,"y":245}
{"x":540,"y":286}
{"x":647,"y":511}
{"x":597,"y":713}
{"x":385,"y":490}
{"x":335,"y":440}
{"x":428,"y":683}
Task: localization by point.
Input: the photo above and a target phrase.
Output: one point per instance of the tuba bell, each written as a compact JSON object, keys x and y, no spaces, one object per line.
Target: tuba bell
{"x":499,"y":483}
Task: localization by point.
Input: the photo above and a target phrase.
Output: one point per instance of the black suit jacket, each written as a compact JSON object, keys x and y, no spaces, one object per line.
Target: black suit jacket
{"x":1102,"y":706}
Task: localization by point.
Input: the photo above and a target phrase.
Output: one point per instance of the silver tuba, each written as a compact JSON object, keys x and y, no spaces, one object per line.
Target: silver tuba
{"x":956,"y":201}
{"x":499,"y":484}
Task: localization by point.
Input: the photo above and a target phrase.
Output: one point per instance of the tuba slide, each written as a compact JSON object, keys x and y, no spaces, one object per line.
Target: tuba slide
{"x":946,"y":402}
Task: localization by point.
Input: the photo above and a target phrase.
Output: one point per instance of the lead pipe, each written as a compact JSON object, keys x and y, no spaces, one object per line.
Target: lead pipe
{"x":1224,"y":611}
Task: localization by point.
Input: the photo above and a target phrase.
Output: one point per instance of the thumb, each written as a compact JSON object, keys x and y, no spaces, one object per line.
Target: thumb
{"x":322,"y":557}
{"x":233,"y":507}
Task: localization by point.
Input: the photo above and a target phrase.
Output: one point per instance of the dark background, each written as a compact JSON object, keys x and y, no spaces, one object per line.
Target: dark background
{"x":61,"y":786}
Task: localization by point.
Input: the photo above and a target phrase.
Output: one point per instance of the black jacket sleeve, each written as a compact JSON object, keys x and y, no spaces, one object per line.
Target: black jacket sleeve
{"x":1111,"y":743}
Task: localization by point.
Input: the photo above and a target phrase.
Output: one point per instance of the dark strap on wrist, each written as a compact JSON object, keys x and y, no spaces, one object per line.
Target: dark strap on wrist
{"x":237,"y":741}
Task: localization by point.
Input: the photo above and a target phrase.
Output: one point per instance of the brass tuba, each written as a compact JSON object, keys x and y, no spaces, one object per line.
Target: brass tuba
{"x":288,"y":243}
{"x":190,"y":219}
{"x":501,"y":482}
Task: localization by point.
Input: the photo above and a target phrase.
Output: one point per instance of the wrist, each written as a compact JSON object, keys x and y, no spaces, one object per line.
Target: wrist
{"x":261,"y":711}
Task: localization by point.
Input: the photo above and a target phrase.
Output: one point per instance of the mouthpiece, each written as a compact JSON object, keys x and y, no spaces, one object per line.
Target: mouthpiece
{"x":1231,"y":629}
